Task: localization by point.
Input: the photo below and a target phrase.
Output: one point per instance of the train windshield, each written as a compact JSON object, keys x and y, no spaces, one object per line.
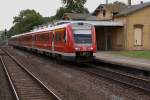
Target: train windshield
{"x":83,"y":36}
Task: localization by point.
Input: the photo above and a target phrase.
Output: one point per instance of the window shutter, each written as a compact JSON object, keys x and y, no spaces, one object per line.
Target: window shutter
{"x":138,"y":36}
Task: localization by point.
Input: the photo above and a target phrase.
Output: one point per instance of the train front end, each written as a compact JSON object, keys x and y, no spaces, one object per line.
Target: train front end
{"x":84,"y":38}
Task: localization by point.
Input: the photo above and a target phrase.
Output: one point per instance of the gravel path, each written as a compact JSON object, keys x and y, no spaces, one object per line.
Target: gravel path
{"x":72,"y":84}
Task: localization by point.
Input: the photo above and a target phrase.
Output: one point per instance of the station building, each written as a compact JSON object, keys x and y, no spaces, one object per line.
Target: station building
{"x":135,"y":35}
{"x":120,"y":27}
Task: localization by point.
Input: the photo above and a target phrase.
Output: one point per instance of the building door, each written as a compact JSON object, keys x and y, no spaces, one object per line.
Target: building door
{"x":138,"y":36}
{"x":108,"y":42}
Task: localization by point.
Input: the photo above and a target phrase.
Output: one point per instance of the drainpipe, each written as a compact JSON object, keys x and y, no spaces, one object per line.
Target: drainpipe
{"x":106,"y":2}
{"x":129,"y":3}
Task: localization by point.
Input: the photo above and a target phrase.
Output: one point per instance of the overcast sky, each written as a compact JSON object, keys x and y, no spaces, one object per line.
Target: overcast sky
{"x":11,"y":8}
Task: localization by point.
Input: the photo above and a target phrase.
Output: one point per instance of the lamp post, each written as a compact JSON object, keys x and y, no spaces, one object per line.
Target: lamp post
{"x":6,"y":39}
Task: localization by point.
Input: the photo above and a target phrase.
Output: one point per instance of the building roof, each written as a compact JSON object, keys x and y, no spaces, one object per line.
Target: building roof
{"x":79,"y":16}
{"x":114,"y":8}
{"x":133,"y":8}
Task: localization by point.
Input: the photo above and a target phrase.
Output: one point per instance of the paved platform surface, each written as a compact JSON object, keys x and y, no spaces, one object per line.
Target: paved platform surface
{"x":138,"y":63}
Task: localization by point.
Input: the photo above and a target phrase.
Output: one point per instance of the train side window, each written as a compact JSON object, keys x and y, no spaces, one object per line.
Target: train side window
{"x":37,"y":37}
{"x":48,"y":36}
{"x":64,"y":36}
{"x":43,"y":37}
{"x":58,"y":37}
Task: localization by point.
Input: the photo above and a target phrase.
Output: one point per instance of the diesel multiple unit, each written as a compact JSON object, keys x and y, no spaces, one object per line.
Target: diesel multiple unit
{"x":75,"y":41}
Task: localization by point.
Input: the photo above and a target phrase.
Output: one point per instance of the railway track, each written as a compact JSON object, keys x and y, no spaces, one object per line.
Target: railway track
{"x":24,"y":84}
{"x":120,"y":77}
{"x":125,"y":78}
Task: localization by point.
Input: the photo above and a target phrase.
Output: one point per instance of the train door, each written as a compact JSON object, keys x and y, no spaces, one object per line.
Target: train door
{"x":33,"y":40}
{"x":53,"y":41}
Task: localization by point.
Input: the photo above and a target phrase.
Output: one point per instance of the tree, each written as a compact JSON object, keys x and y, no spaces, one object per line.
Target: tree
{"x":11,"y":32}
{"x":60,"y":12}
{"x":75,"y":6}
{"x":119,"y":3}
{"x":71,"y":6}
{"x":3,"y":35}
{"x":26,"y":20}
{"x":47,"y":19}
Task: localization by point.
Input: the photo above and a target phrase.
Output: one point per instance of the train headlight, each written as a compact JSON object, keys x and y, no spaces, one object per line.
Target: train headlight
{"x":77,"y":48}
{"x":91,"y":48}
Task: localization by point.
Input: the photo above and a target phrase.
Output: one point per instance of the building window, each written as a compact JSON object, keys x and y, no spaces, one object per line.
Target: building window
{"x":104,"y":13}
{"x":138,"y":32}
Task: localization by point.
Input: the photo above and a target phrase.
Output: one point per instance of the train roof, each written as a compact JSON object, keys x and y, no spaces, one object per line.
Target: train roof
{"x":59,"y":24}
{"x":43,"y":29}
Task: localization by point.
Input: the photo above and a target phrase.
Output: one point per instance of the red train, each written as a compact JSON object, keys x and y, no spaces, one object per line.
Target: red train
{"x":72,"y":40}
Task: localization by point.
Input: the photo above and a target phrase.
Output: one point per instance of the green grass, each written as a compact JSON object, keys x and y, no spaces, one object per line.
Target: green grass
{"x":137,"y":54}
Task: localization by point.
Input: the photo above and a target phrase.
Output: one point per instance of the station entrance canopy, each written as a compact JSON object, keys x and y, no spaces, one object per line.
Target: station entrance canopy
{"x":96,"y":23}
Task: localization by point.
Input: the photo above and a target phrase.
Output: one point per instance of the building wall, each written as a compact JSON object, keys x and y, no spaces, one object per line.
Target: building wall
{"x":100,"y":37}
{"x":117,"y":38}
{"x":107,"y":16}
{"x":109,"y":38}
{"x":138,"y":18}
{"x":123,"y":31}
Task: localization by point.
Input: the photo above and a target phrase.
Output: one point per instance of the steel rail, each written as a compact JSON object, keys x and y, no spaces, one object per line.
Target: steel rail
{"x":9,"y":79}
{"x":120,"y":77}
{"x":50,"y":91}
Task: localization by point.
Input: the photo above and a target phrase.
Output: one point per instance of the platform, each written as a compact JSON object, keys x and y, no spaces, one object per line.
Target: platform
{"x":138,"y":63}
